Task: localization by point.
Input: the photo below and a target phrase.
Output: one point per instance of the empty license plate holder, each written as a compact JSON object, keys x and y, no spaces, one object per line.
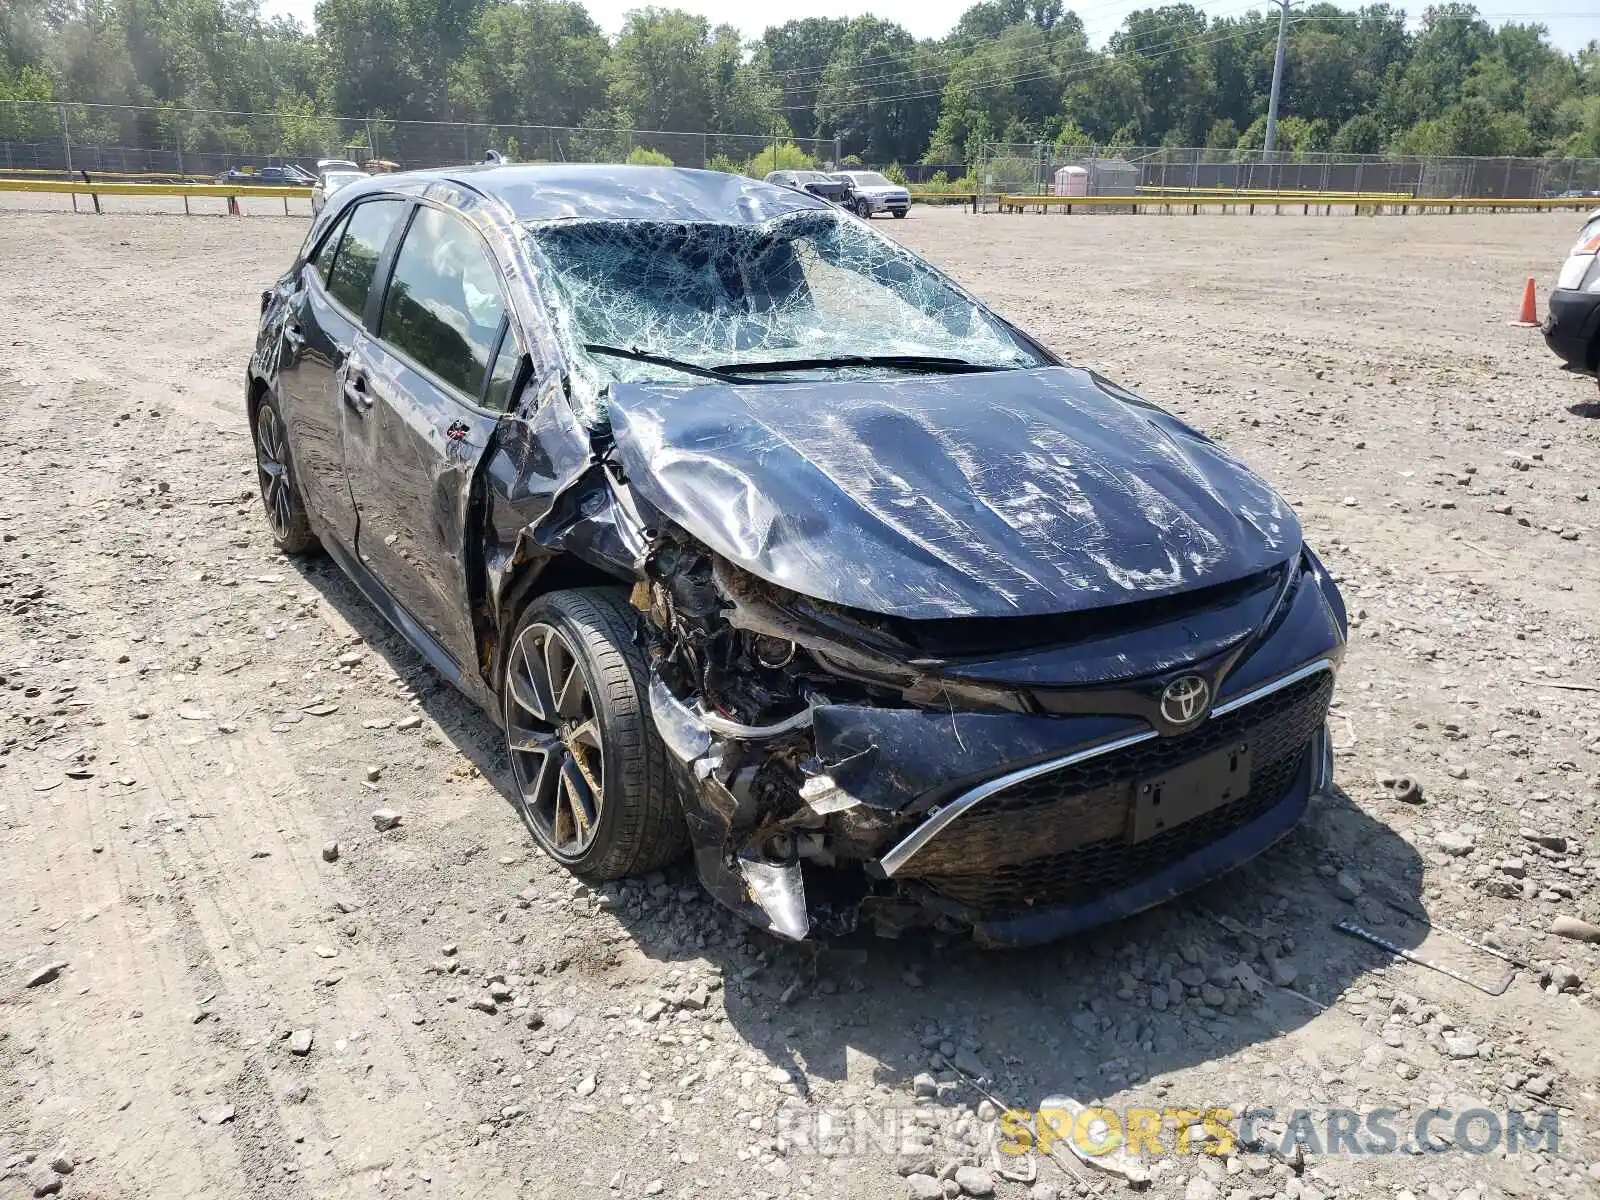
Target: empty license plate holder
{"x":1165,"y":801}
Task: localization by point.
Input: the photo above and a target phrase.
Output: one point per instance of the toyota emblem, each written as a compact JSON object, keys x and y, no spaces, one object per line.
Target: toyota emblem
{"x":1185,"y":700}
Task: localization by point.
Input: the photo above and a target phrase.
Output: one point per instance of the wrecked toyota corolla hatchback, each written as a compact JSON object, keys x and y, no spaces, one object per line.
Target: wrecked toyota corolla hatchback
{"x":762,"y":538}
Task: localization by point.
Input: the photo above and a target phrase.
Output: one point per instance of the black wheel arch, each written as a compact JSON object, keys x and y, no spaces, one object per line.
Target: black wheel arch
{"x":526,"y":582}
{"x":256,"y":387}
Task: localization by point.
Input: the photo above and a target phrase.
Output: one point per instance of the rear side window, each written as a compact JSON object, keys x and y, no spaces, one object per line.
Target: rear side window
{"x":322,"y":260}
{"x":363,"y":240}
{"x":444,"y":306}
{"x":504,"y":376}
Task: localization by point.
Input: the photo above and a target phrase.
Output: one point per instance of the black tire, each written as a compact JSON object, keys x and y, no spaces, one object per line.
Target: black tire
{"x":285,"y":510}
{"x":864,"y":210}
{"x":900,"y":214}
{"x":640,"y":825}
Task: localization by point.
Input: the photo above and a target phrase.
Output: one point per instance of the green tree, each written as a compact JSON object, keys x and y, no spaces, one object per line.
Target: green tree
{"x":785,"y":156}
{"x":1361,"y":134}
{"x":1584,"y":141}
{"x":1161,"y":47}
{"x":1452,"y":39}
{"x":1239,"y":53}
{"x":1037,"y":61}
{"x":793,"y":56}
{"x":879,"y":93}
{"x":1471,"y":127}
{"x":1010,"y":71}
{"x":1108,"y":103}
{"x":1294,"y":134}
{"x":671,"y":70}
{"x":34,"y":119}
{"x":534,"y":62}
{"x":1223,"y":135}
{"x":370,"y":48}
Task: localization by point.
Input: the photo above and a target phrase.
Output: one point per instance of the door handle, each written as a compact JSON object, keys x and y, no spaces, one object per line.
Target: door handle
{"x":355,"y":394}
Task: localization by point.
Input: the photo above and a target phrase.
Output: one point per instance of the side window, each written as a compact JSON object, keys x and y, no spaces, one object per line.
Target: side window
{"x":365,"y":235}
{"x":504,"y":375}
{"x":444,"y":305}
{"x":322,"y":260}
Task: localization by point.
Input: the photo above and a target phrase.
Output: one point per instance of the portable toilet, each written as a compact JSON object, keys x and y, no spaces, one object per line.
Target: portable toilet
{"x":1072,"y":181}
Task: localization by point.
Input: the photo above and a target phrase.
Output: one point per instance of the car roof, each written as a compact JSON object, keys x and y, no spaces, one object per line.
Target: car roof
{"x":553,"y":191}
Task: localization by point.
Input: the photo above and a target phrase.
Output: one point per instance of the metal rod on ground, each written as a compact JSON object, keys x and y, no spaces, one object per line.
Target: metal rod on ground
{"x":1487,"y":949}
{"x":1495,"y":989}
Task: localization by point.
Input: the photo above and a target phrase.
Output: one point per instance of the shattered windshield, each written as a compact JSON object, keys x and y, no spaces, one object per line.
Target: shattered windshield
{"x":809,"y":287}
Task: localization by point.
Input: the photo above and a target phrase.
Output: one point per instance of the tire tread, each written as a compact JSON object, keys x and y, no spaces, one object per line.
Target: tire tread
{"x":299,"y":539}
{"x":649,"y":831}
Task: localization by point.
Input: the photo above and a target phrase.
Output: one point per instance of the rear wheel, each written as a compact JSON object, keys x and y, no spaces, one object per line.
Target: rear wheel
{"x":591,"y":772}
{"x":286,"y":512}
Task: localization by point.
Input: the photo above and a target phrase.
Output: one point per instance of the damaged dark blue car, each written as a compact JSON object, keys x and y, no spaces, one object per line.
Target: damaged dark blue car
{"x":762,"y":539}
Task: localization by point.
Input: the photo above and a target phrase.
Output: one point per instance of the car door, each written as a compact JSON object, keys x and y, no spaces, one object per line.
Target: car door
{"x":425,"y":397}
{"x":320,"y":331}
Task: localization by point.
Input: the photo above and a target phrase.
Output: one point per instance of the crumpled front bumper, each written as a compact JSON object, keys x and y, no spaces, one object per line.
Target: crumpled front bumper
{"x":1019,"y":826}
{"x":945,"y":790}
{"x":1208,"y":861}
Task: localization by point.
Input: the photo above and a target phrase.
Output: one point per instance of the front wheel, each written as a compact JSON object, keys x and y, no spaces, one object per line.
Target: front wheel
{"x":900,"y":214}
{"x":863,"y":210}
{"x":591,"y":772}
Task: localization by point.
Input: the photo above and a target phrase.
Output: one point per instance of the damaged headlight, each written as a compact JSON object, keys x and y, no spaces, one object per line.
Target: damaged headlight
{"x":740,"y":677}
{"x":759,"y":655}
{"x":772,"y":653}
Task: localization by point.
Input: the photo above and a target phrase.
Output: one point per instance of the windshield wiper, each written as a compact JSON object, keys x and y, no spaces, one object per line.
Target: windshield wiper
{"x":931,"y":364}
{"x":722,"y":374}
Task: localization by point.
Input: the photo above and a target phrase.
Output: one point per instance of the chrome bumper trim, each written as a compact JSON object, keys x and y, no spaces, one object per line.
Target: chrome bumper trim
{"x":909,"y":846}
{"x":1276,"y":685}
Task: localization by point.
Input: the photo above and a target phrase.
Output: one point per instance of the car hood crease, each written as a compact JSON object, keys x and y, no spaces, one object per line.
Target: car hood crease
{"x":1002,"y":494}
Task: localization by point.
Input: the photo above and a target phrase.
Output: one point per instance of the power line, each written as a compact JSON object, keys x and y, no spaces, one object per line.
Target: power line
{"x":1106,"y":60}
{"x":949,"y":50}
{"x":1065,"y":76}
{"x":862,"y":84}
{"x":946,"y":46}
{"x":949,"y":47}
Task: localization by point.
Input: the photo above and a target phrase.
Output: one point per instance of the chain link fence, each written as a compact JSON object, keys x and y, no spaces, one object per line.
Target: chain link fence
{"x":43,"y":136}
{"x":1040,"y":168}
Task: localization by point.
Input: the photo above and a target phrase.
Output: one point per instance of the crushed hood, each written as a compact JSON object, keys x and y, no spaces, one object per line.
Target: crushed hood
{"x":998,"y":494}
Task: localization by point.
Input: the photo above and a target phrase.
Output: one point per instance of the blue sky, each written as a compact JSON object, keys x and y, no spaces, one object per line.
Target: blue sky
{"x":1572,"y":23}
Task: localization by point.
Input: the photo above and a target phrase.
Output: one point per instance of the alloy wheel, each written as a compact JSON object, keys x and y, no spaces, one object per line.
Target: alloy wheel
{"x":553,"y":737}
{"x":271,"y":466}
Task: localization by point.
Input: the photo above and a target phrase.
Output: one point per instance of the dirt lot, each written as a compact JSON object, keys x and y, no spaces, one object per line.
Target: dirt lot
{"x":188,"y":719}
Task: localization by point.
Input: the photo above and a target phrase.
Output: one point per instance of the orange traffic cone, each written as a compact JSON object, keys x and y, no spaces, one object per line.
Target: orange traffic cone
{"x":1530,"y":308}
{"x":233,"y":211}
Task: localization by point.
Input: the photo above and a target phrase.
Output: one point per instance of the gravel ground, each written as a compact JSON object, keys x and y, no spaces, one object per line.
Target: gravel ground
{"x":220,"y":979}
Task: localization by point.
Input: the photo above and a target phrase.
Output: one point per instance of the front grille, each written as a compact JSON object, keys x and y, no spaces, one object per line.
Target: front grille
{"x":1063,"y":837}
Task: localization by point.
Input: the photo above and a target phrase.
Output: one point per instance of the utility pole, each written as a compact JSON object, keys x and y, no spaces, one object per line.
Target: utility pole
{"x":1271,"y":142}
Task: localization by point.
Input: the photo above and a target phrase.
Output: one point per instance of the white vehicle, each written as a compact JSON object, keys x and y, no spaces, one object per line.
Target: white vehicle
{"x":336,"y":164}
{"x":880,"y":194}
{"x":330,"y":180}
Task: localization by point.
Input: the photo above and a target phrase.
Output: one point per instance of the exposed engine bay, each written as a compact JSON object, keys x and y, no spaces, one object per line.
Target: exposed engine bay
{"x":811,"y":740}
{"x":734,"y":699}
